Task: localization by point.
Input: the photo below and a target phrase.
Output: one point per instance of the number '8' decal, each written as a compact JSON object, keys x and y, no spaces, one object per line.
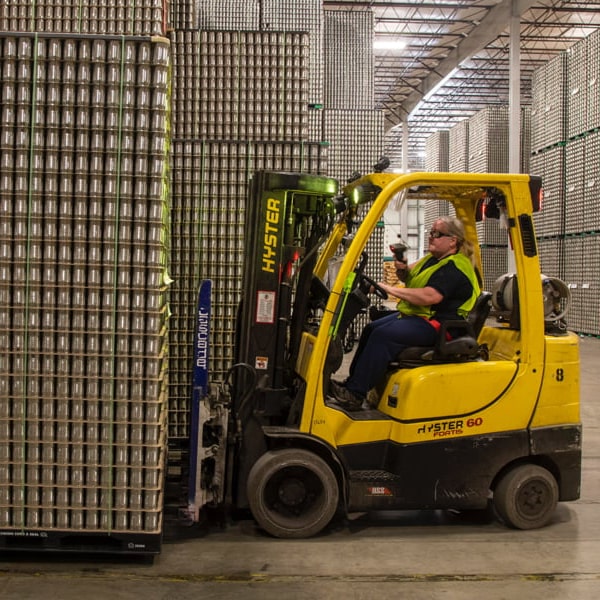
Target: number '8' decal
{"x":560,"y":375}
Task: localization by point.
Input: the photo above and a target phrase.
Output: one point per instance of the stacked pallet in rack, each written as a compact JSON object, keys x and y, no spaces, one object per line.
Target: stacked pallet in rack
{"x":247,"y":85}
{"x":271,"y":15}
{"x":488,"y":140}
{"x":83,"y":296}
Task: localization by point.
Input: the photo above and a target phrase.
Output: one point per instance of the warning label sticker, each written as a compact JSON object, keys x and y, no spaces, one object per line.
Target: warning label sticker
{"x":261,"y":363}
{"x":265,"y":307}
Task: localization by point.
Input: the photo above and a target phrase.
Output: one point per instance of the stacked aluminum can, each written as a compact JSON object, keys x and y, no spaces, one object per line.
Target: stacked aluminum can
{"x":437,"y":152}
{"x":550,"y":166}
{"x":355,"y":138}
{"x":458,"y":140}
{"x":240,"y":100}
{"x":488,"y":140}
{"x":210,"y":185}
{"x":525,"y":139}
{"x":349,"y":64}
{"x":254,"y":89}
{"x":566,"y":152}
{"x":276,"y":16}
{"x":84,"y":237}
{"x":232,"y":15}
{"x":548,"y":108}
{"x":85,"y":233}
{"x":100,"y":17}
{"x":247,"y":85}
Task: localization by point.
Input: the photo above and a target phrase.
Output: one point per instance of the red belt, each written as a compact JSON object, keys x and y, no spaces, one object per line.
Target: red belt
{"x":437,"y":326}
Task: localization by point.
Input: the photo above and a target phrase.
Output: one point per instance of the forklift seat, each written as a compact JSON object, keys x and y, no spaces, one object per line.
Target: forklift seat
{"x":459,"y":348}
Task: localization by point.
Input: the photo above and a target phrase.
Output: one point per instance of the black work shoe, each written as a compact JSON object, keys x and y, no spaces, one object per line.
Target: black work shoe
{"x":344,"y":397}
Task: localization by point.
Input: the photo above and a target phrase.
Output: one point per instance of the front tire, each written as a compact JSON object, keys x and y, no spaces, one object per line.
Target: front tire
{"x":526,"y":497}
{"x":293,"y":493}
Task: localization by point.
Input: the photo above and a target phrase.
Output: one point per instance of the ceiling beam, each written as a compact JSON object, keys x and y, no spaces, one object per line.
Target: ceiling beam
{"x":494,"y":23}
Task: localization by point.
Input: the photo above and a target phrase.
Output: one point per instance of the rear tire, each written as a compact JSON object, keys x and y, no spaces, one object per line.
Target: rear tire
{"x":526,"y":497}
{"x":293,"y":493}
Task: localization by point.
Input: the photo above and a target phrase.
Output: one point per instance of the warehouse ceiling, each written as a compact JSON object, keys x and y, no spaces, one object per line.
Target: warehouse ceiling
{"x":464,"y":44}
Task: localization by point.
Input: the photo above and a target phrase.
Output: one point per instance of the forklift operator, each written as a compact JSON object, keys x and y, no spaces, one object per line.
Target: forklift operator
{"x":440,"y":286}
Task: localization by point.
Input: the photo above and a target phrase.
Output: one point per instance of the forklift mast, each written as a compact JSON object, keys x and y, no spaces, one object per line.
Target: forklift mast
{"x":289,"y":216}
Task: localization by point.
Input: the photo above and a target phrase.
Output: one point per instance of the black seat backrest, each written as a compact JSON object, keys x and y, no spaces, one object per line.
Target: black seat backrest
{"x":480,"y":312}
{"x":462,"y":346}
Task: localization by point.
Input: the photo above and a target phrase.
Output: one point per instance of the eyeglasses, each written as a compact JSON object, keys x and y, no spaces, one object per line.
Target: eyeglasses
{"x":438,"y":234}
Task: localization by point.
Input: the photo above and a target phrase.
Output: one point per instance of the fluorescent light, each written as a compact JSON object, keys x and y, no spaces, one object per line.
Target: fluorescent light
{"x":389,"y":44}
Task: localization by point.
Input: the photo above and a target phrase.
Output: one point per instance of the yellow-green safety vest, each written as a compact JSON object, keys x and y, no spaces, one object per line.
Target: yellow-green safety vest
{"x":419,"y":279}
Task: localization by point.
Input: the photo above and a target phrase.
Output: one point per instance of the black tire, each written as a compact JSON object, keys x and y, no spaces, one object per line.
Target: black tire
{"x":526,"y":497}
{"x":292,"y":493}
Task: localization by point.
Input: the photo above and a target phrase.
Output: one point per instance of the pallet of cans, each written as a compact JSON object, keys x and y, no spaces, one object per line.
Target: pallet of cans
{"x":84,"y":238}
{"x":356,"y":140}
{"x":349,"y":61}
{"x":210,"y":185}
{"x":96,"y":17}
{"x":458,"y":140}
{"x":437,"y":151}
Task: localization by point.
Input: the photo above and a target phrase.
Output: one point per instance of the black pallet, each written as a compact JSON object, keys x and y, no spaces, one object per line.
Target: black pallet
{"x":80,"y":542}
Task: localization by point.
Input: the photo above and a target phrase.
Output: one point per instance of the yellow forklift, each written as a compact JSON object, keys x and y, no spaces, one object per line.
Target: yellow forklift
{"x":489,"y":417}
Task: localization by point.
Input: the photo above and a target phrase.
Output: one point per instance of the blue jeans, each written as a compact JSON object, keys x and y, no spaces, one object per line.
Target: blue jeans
{"x":380,"y":343}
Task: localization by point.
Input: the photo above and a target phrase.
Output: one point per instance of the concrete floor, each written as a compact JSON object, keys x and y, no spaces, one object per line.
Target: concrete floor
{"x":416,"y":555}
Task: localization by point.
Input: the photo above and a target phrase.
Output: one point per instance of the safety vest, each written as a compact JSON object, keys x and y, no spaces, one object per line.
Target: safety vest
{"x":419,"y":279}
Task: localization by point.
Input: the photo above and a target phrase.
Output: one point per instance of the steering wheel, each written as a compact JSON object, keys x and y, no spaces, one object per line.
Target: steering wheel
{"x":377,"y":289}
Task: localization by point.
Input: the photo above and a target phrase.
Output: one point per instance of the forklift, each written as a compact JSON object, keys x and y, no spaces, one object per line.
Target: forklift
{"x":490,"y":417}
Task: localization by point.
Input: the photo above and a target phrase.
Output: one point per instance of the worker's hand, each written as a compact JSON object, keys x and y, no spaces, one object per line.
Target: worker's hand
{"x":390,"y":289}
{"x":401,"y":269}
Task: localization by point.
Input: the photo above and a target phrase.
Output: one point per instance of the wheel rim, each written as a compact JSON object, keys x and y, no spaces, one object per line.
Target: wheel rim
{"x":294,"y":491}
{"x":534,"y":498}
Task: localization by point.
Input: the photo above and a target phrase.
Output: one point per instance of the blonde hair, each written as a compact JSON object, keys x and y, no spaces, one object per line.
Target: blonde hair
{"x":456,"y":229}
